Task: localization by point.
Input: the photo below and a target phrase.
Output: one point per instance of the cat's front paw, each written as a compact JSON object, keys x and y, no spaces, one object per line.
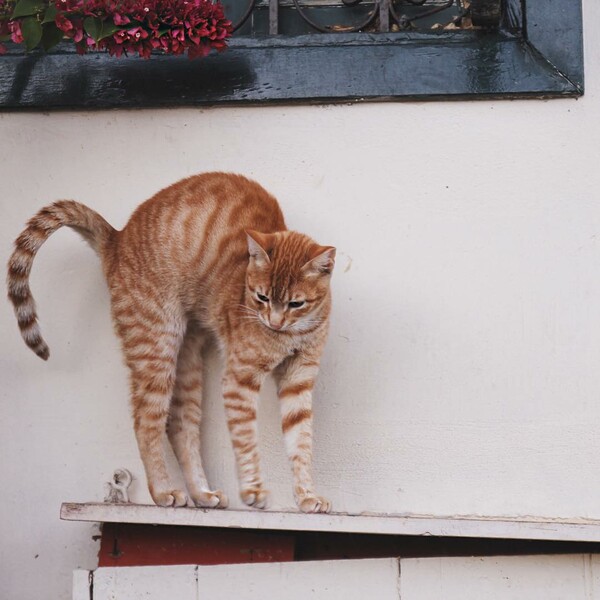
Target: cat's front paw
{"x":170,"y":498}
{"x":311,"y":503}
{"x":210,"y":499}
{"x":257,"y":497}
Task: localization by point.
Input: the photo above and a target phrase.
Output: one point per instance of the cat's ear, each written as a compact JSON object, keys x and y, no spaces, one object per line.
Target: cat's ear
{"x":322,"y":261}
{"x":258,"y":246}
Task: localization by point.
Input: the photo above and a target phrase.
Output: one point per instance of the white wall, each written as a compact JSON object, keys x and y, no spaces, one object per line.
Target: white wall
{"x":461,"y":375}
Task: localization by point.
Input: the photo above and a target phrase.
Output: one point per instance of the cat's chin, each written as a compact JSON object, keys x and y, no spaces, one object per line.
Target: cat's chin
{"x":273,"y":329}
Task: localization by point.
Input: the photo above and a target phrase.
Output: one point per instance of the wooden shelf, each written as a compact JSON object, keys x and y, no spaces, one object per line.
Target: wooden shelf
{"x":526,"y":528}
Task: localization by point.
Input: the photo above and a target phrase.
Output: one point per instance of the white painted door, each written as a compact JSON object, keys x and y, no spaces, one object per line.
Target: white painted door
{"x":326,"y":580}
{"x":567,"y":577}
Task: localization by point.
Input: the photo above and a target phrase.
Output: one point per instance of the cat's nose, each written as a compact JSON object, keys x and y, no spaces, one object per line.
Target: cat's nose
{"x":276,"y":321}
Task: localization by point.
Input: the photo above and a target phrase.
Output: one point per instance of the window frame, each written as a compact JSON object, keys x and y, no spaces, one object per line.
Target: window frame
{"x":526,"y":57}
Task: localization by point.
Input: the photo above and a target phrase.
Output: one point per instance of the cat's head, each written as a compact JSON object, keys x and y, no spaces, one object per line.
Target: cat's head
{"x":287,"y":281}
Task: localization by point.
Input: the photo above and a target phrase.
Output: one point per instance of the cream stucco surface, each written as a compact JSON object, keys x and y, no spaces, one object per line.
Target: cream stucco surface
{"x":462,"y":371}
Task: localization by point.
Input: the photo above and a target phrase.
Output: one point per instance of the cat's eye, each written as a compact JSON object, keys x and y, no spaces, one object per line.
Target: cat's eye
{"x":262,"y":298}
{"x":296,"y":304}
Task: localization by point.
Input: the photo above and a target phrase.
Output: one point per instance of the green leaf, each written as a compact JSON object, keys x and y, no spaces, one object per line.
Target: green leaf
{"x":31,"y":29}
{"x":50,"y":14}
{"x":98,"y":29}
{"x":51,"y":35}
{"x":5,"y":38}
{"x":93,"y":27}
{"x":108,"y":29}
{"x":24,"y":8}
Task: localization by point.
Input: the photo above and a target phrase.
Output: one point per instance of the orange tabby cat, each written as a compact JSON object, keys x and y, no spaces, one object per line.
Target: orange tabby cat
{"x":208,"y":257}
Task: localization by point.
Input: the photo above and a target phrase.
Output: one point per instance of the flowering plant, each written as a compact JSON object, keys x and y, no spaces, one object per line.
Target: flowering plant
{"x":118,"y":26}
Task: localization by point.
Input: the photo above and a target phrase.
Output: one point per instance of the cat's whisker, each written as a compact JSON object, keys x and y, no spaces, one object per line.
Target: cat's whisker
{"x":244,"y":307}
{"x":247,"y":310}
{"x":304,"y":324}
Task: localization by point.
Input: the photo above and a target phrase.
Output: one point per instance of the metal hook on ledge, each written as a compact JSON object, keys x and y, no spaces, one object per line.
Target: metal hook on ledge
{"x":117,"y":488}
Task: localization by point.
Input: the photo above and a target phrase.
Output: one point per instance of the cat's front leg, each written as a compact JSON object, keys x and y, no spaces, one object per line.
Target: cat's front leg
{"x":295,"y":381}
{"x":241,"y":385}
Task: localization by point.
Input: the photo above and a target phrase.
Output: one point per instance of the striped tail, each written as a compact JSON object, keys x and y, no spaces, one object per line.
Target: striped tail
{"x":94,"y":229}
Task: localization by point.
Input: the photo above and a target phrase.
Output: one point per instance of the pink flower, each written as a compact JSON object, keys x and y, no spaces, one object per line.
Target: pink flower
{"x":137,"y":33}
{"x":120,"y":19}
{"x":171,"y":26}
{"x":15,"y":32}
{"x":63,"y":23}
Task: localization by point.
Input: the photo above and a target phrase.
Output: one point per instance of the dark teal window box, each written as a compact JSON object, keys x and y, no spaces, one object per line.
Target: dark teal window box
{"x":536,"y":52}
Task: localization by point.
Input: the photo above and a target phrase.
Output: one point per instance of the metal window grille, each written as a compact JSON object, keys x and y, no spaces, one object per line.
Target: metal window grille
{"x":297,"y":17}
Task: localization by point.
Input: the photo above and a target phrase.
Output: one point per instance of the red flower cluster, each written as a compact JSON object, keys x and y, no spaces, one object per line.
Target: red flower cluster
{"x":7,"y":26}
{"x":137,"y":26}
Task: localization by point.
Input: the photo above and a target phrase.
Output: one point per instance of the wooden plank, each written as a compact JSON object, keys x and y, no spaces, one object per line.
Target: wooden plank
{"x":147,"y":583}
{"x":498,"y":578}
{"x":81,"y":584}
{"x":325,"y":580}
{"x":457,"y":526}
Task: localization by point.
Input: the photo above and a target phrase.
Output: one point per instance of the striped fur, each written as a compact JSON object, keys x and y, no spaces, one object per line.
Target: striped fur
{"x":94,"y":229}
{"x":208,"y":258}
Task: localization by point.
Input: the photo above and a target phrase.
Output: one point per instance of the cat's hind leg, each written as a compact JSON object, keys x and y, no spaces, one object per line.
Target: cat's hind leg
{"x":184,"y":421}
{"x":151,"y":336}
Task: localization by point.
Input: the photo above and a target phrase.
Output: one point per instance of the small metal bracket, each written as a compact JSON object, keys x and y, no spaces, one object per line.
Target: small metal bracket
{"x":116,"y":489}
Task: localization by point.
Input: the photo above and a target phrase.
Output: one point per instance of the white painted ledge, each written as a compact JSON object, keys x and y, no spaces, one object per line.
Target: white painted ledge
{"x":482,"y":527}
